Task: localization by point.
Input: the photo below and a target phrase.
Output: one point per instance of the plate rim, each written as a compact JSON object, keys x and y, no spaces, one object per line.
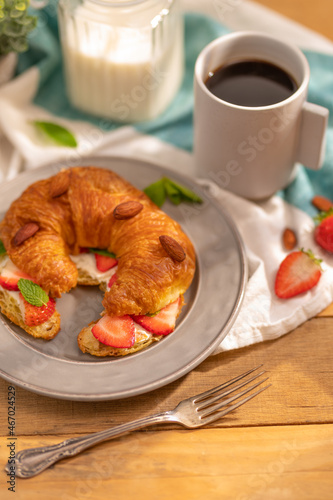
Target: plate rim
{"x":201,"y":356}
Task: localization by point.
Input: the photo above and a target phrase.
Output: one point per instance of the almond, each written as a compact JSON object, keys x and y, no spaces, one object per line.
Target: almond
{"x":172,"y":248}
{"x":289,"y":239}
{"x":127,"y":210}
{"x":321,"y":203}
{"x":25,"y":232}
{"x":59,"y":184}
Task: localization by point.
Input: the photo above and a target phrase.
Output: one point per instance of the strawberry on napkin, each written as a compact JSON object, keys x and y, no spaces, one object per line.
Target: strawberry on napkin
{"x":264,"y":315}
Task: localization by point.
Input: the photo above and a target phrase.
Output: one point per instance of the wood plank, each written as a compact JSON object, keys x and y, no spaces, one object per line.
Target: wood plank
{"x":316,"y":16}
{"x":243,"y":463}
{"x":299,"y":365}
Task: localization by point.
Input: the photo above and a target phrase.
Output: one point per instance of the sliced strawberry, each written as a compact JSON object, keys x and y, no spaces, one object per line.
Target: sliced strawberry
{"x":113,"y":279}
{"x":10,"y":276}
{"x":324,"y":231}
{"x":9,"y":283}
{"x":34,"y":316}
{"x":299,"y":271}
{"x":115,"y":331}
{"x":104,"y":263}
{"x":163,"y":322}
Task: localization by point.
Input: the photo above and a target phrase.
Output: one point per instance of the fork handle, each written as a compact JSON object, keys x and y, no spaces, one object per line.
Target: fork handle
{"x":32,"y":461}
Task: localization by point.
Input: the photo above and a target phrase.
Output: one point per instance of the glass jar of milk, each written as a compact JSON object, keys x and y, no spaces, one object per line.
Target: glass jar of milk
{"x":124,"y":58}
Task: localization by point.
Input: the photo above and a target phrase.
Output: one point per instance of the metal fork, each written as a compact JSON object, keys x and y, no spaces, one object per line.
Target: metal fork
{"x":200,"y":410}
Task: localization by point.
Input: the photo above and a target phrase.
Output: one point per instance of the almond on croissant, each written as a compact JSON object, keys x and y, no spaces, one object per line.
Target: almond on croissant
{"x":96,"y":208}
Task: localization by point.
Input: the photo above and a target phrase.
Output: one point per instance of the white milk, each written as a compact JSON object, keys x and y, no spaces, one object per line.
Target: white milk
{"x":127,"y":73}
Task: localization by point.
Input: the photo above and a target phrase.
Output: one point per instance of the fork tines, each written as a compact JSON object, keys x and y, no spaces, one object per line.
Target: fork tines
{"x":211,"y":401}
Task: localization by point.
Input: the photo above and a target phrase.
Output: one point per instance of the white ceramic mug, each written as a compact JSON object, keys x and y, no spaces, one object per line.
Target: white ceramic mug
{"x":253,"y":151}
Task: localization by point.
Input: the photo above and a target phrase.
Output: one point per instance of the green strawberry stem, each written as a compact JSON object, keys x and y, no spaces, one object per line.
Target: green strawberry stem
{"x":312,"y":256}
{"x":323,"y":215}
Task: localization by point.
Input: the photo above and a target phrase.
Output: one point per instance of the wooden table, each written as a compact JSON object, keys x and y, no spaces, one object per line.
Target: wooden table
{"x":278,"y":446}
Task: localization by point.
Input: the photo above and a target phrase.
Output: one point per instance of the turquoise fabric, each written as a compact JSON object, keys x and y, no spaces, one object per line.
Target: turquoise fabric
{"x":175,"y":125}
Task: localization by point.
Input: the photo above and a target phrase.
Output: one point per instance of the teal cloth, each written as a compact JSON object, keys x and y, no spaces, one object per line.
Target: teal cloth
{"x":175,"y":125}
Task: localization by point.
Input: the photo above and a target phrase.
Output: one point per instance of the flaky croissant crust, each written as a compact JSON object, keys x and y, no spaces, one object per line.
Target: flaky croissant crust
{"x":148,"y":278}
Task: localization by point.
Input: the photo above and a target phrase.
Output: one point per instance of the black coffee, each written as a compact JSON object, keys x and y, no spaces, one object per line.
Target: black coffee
{"x":251,"y":83}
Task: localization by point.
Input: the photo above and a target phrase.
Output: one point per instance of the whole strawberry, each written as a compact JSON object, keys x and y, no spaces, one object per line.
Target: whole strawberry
{"x":299,"y":272}
{"x":324,"y":231}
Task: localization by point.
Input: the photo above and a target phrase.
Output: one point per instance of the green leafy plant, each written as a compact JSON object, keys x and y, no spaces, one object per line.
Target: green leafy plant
{"x":15,"y":25}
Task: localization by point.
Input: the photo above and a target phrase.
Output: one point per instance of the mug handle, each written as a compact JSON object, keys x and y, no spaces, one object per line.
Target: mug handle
{"x":311,"y":147}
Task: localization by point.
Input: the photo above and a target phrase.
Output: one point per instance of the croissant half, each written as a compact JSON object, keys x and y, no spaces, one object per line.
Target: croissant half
{"x":78,"y":208}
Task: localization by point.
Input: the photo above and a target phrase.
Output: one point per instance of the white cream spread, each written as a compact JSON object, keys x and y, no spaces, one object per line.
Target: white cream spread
{"x":3,"y":262}
{"x":87,"y":262}
{"x":141,"y":335}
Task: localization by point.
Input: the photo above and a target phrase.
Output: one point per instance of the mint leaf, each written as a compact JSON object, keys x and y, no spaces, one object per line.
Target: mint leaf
{"x":58,"y":134}
{"x":106,"y":253}
{"x":173,"y":192}
{"x":185,"y":193}
{"x":33,"y":293}
{"x":2,"y":248}
{"x":165,"y":187}
{"x":156,"y":192}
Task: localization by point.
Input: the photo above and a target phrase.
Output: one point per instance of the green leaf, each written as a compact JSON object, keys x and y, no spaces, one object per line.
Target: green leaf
{"x":156,"y":192}
{"x":173,"y":193}
{"x":32,"y":293}
{"x":2,"y":248}
{"x":58,"y":134}
{"x":177,"y":193}
{"x":14,"y":30}
{"x":106,"y":253}
{"x":184,"y":192}
{"x":20,"y":6}
{"x":15,"y":13}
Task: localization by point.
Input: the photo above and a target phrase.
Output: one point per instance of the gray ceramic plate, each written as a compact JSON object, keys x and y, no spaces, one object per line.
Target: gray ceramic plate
{"x":59,"y":369}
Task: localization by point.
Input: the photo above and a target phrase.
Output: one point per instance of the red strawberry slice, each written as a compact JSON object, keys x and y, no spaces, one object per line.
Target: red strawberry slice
{"x":10,"y":276}
{"x":113,"y":279}
{"x":324,"y":232}
{"x":9,"y":283}
{"x":299,"y":271}
{"x":115,"y":331}
{"x":34,"y":316}
{"x":163,"y":322}
{"x":104,"y":263}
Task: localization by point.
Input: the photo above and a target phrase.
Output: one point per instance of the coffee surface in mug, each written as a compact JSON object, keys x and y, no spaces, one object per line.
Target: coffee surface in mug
{"x":251,"y":83}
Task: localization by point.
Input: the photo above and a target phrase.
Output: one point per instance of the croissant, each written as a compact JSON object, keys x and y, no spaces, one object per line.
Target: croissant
{"x":89,"y":207}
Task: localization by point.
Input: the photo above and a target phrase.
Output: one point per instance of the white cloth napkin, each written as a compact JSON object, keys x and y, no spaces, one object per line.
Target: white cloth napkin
{"x":263,"y":316}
